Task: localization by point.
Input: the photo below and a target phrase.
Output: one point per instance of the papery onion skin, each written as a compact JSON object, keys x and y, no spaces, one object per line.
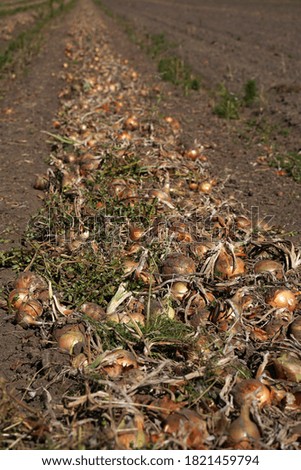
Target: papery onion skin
{"x":178,"y":264}
{"x":225,"y":267}
{"x":282,"y":298}
{"x":93,"y":310}
{"x":68,"y":340}
{"x":250,"y":391}
{"x":269,"y":266}
{"x":17,"y":297}
{"x":29,"y":312}
{"x":31,"y":281}
{"x":243,"y":433}
{"x":179,"y":290}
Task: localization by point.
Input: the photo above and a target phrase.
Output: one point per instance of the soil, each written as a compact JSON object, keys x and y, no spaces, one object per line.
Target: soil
{"x":225,"y":42}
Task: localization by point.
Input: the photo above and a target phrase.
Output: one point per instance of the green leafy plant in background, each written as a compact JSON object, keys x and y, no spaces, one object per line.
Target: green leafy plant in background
{"x":250,"y":92}
{"x":174,"y":70}
{"x":291,"y":163}
{"x":229,"y":104}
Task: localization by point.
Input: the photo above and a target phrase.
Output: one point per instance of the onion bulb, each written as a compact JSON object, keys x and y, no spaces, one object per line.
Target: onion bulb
{"x":80,"y":361}
{"x":179,"y":290}
{"x":188,"y":426}
{"x":130,"y":317}
{"x":250,"y":391}
{"x":269,"y":266}
{"x":162,"y":196}
{"x":89,"y":162}
{"x":17,"y":297}
{"x":31,"y":281}
{"x":120,"y":361}
{"x":41,"y":182}
{"x":205,"y":187}
{"x":129,"y":265}
{"x":130,"y":432}
{"x":131,"y":123}
{"x":243,"y":433}
{"x":136,"y":233}
{"x":288,"y":367}
{"x":194,"y":153}
{"x":282,"y":298}
{"x":28,"y":313}
{"x":200,"y":249}
{"x":225,"y":267}
{"x":70,"y":337}
{"x":93,"y":310}
{"x":178,"y":265}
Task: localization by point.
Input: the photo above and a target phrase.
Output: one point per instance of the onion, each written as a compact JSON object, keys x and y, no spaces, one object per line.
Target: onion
{"x":242,"y":432}
{"x":250,"y":391}
{"x":174,"y":123}
{"x":192,"y":154}
{"x":89,"y":162}
{"x":162,"y":196}
{"x":225,"y":267}
{"x":131,"y":317}
{"x":288,"y":367}
{"x":93,"y":310}
{"x":188,"y":426}
{"x":282,"y":298}
{"x":200,"y":249}
{"x":178,"y":264}
{"x":130,"y":433}
{"x":120,"y":361}
{"x":80,"y":361}
{"x":269,"y":266}
{"x":205,"y":187}
{"x":243,"y":222}
{"x":181,"y":233}
{"x":125,"y":136}
{"x":69,"y":339}
{"x":131,"y":123}
{"x":129,"y":265}
{"x":41,"y":182}
{"x":31,"y":281}
{"x":18,"y":297}
{"x":193,"y":186}
{"x":136,"y":233}
{"x":179,"y":290}
{"x":29,"y":312}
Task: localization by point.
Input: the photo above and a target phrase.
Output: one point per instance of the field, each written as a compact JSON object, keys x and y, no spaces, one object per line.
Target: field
{"x":150,"y":232}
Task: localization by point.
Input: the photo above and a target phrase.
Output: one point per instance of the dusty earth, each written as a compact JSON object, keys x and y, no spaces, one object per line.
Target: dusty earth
{"x":225,"y":43}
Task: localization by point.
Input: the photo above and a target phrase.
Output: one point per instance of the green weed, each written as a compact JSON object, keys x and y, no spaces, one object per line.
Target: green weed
{"x":291,"y":163}
{"x":228,"y":104}
{"x":174,"y":70}
{"x":250,"y":92}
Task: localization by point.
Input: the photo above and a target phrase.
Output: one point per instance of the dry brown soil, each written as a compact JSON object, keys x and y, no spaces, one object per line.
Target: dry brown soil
{"x":225,"y":41}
